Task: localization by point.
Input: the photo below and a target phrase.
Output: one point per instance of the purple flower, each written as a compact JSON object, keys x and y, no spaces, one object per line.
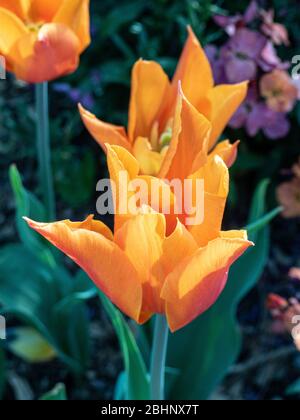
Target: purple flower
{"x":257,"y":116}
{"x":269,"y":59}
{"x":75,"y":94}
{"x":216,"y":63}
{"x":241,"y":55}
{"x":232,"y":23}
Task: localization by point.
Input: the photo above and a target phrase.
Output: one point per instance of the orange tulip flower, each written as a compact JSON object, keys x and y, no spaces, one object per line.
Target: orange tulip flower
{"x":152,"y":107}
{"x":42,"y":40}
{"x":147,"y":266}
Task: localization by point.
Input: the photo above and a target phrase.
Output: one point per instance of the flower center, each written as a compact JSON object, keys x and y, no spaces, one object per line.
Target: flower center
{"x":150,"y":152}
{"x":34,"y":26}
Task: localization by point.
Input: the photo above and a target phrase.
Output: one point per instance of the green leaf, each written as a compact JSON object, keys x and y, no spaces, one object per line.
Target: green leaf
{"x":135,"y":377}
{"x":2,"y":372}
{"x":29,"y":345}
{"x":294,"y":388}
{"x":36,"y":294}
{"x":58,"y":393}
{"x":28,"y":205}
{"x":204,"y":350}
{"x":121,"y":16}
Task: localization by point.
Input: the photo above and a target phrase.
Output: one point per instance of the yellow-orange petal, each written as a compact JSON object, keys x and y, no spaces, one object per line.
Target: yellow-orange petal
{"x":216,"y":187}
{"x":75,"y":14}
{"x":149,"y":89}
{"x":51,"y":53}
{"x":189,"y":145}
{"x":103,"y":132}
{"x":43,"y":10}
{"x":12,"y":29}
{"x":141,"y":238}
{"x":196,"y":283}
{"x":18,"y":7}
{"x":227,"y":151}
{"x":104,"y":262}
{"x":225,"y":100}
{"x":133,"y":191}
{"x":123,"y":167}
{"x":195,"y":74}
{"x":150,"y":161}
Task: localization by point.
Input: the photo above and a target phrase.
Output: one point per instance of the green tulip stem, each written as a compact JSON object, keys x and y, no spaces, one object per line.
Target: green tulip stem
{"x":44,"y":150}
{"x":158,"y":361}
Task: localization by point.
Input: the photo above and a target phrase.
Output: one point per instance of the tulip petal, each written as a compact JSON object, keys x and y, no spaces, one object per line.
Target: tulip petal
{"x":141,"y":238}
{"x":149,"y":89}
{"x":196,"y":283}
{"x":149,"y":160}
{"x":123,"y":167}
{"x":227,"y":151}
{"x":103,"y":132}
{"x":189,"y":144}
{"x":154,"y":255}
{"x":216,"y":185}
{"x":12,"y":29}
{"x":18,"y":7}
{"x":46,"y":55}
{"x":132,"y":191}
{"x":43,"y":10}
{"x":75,"y":15}
{"x":195,"y":74}
{"x":225,"y":99}
{"x":104,"y":262}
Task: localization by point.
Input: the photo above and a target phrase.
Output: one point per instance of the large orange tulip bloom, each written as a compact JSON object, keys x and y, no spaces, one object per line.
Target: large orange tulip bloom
{"x":43,"y":39}
{"x":147,"y":266}
{"x":152,"y":107}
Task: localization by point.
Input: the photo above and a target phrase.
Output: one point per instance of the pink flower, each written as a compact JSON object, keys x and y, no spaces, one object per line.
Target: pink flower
{"x":279,"y":91}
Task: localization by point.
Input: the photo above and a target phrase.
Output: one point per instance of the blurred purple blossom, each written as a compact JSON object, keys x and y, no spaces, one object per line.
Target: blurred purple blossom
{"x":232,"y":23}
{"x":249,"y":54}
{"x":256,"y":116}
{"x":241,"y":55}
{"x":75,"y":94}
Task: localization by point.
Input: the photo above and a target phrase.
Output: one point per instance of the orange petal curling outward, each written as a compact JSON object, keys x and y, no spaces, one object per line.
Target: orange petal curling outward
{"x":104,"y":132}
{"x":46,"y":55}
{"x":89,"y":244}
{"x":149,"y":88}
{"x":225,"y":101}
{"x":196,"y":283}
{"x":227,"y":151}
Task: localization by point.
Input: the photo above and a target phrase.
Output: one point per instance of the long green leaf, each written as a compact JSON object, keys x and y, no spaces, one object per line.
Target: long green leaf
{"x":137,"y":381}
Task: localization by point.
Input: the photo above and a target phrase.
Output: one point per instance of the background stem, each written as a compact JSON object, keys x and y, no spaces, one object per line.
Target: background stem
{"x":158,"y":361}
{"x":44,"y":150}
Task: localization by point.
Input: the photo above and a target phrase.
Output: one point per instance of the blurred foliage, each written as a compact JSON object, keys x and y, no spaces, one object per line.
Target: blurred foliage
{"x":58,"y":393}
{"x":42,"y":294}
{"x":51,"y":300}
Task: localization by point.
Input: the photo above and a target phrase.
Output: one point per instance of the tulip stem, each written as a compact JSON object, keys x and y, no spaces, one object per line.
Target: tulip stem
{"x":44,"y":150}
{"x":158,"y":361}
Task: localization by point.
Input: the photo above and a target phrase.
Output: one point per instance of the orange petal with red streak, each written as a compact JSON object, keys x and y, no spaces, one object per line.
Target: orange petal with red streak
{"x":88,"y":244}
{"x":196,"y":283}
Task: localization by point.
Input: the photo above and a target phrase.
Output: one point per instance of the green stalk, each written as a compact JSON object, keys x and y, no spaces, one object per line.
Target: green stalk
{"x":44,"y":150}
{"x":158,"y":361}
